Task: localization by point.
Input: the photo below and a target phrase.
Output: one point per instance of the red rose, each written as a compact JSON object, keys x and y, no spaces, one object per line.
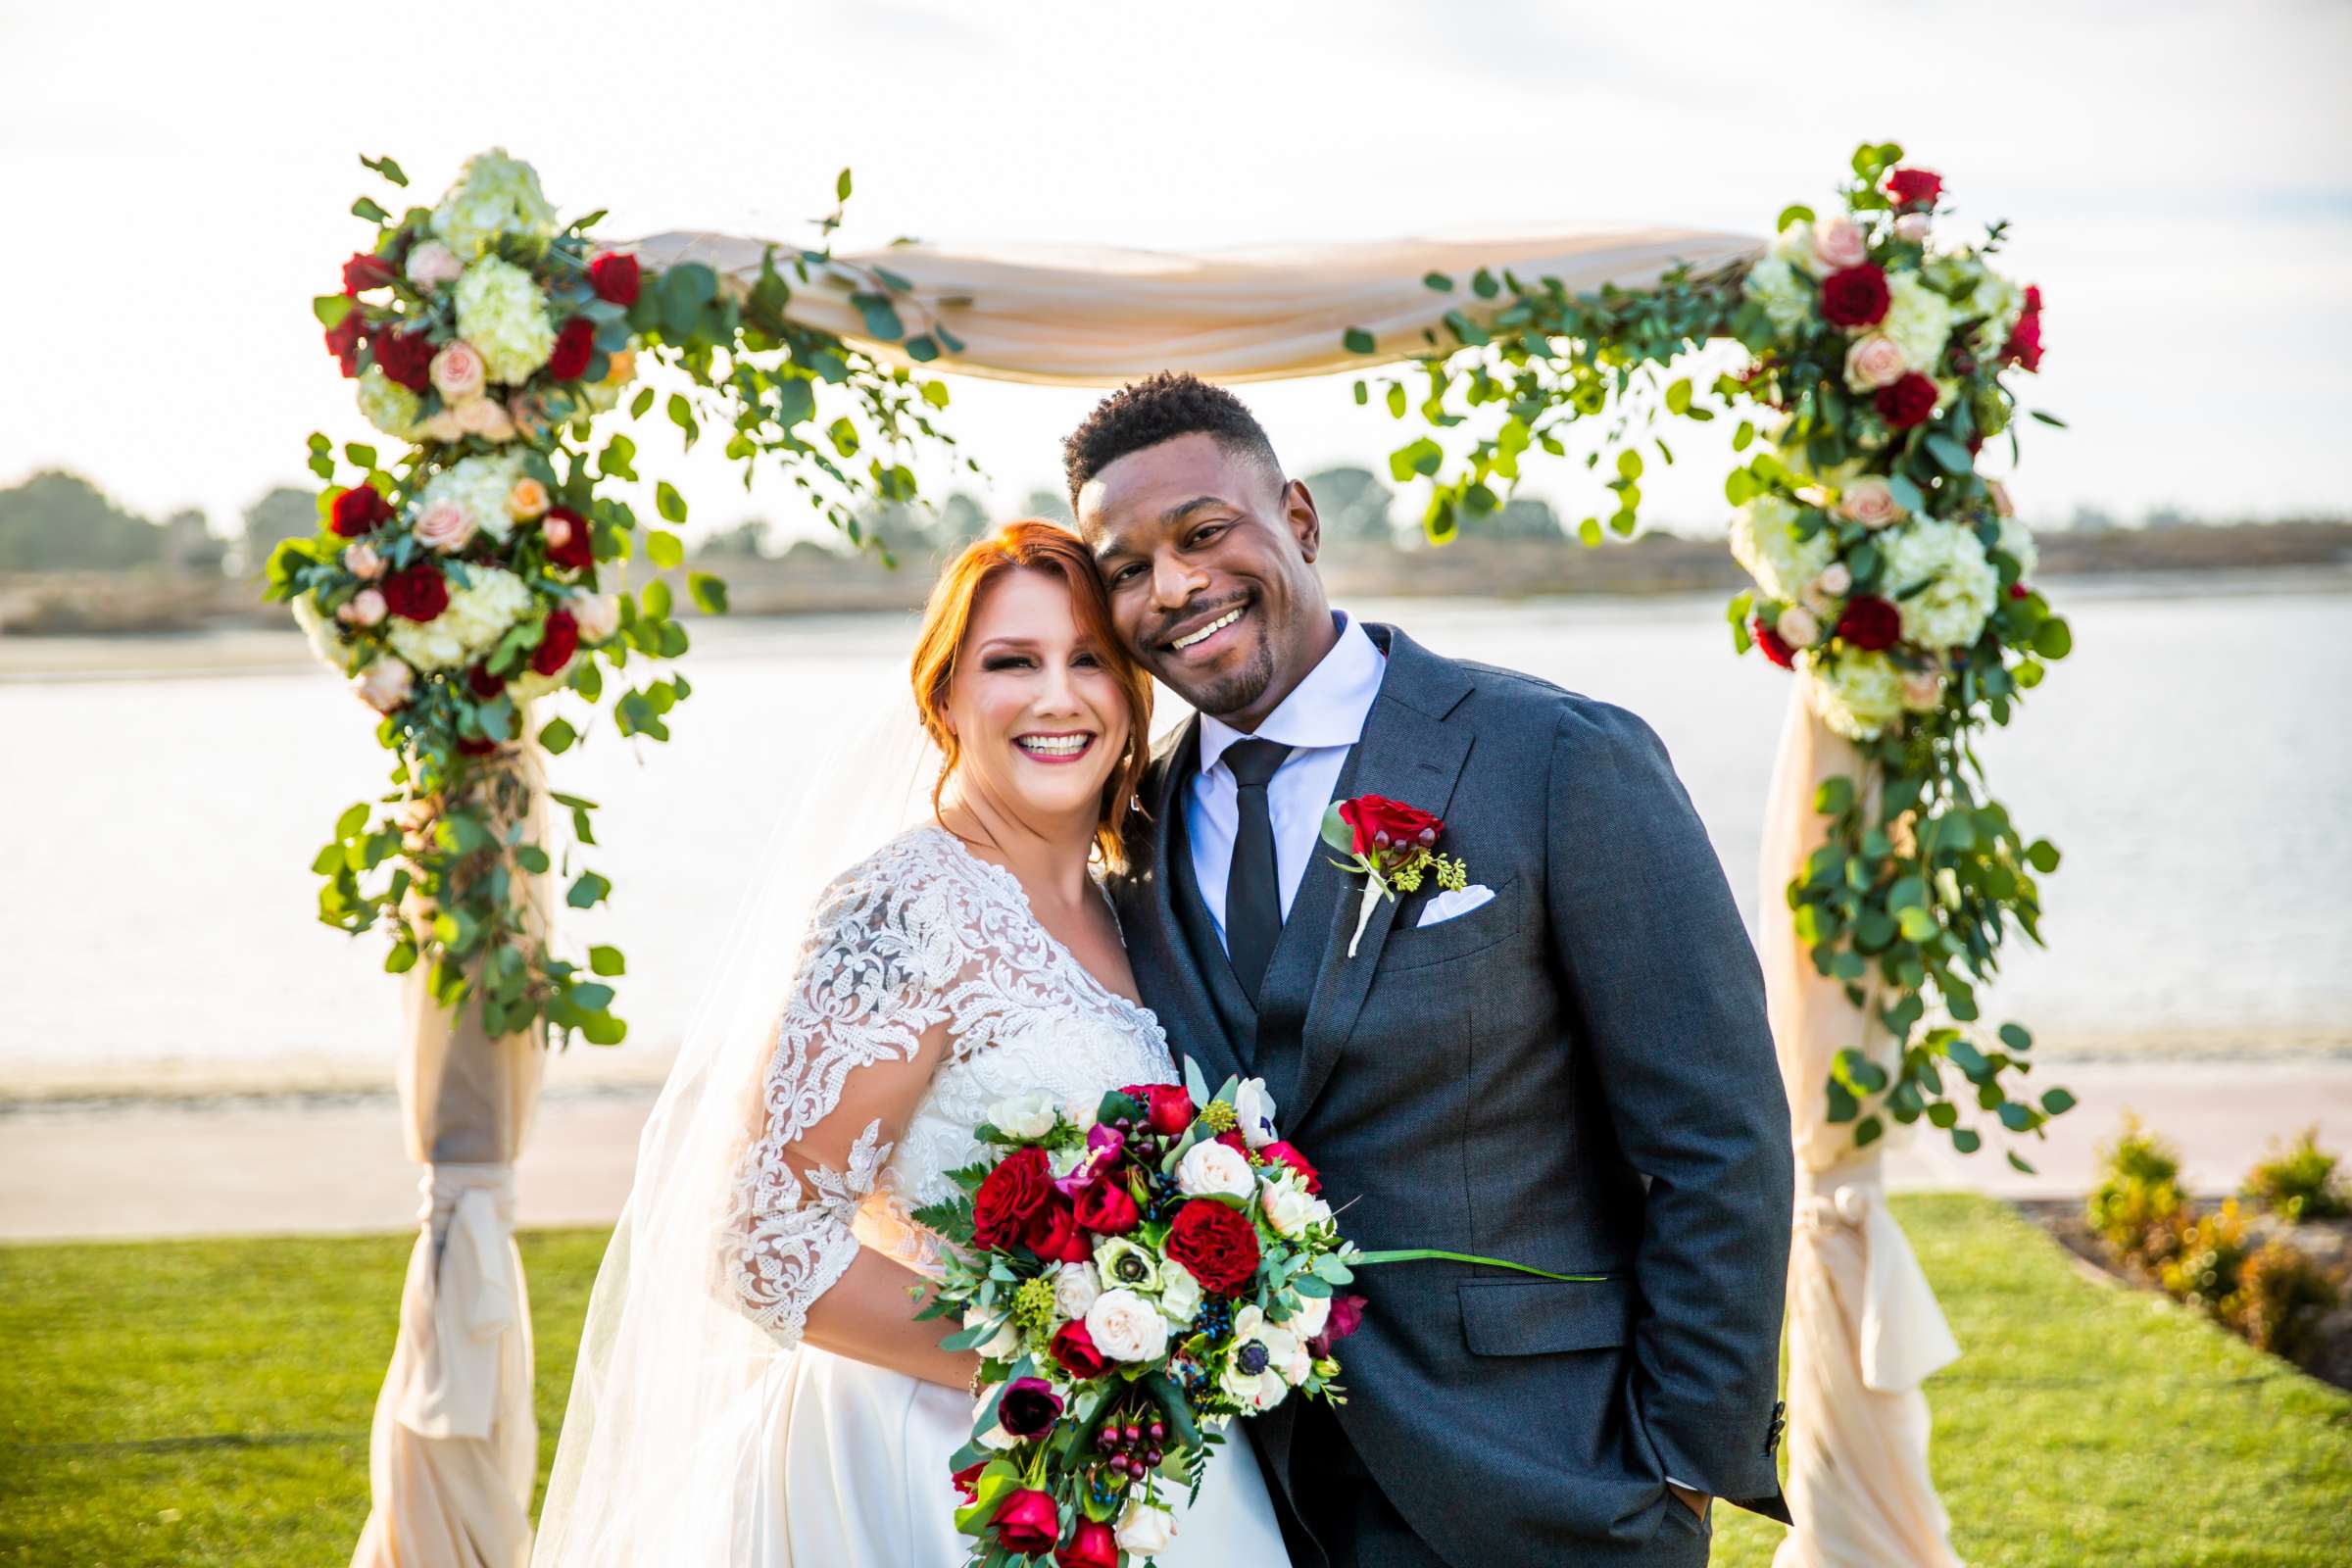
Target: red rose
{"x":1282,"y":1151}
{"x":360,"y":509}
{"x":482,"y":683}
{"x":1216,"y":1243}
{"x":1346,"y":1317}
{"x":1854,"y":296}
{"x":1234,"y":1141}
{"x":343,"y":341}
{"x":1074,"y":1348}
{"x":1775,"y":647}
{"x":1904,"y":186}
{"x":2024,"y":348}
{"x":1009,"y":1194}
{"x":613,"y":277}
{"x":1871,"y":623}
{"x":2018,"y":590}
{"x":556,"y":644}
{"x":406,"y":358}
{"x":1052,"y":1234}
{"x":570,"y":545}
{"x":1027,"y":1524}
{"x":1168,"y":1105}
{"x":573,"y":347}
{"x":363,"y":270}
{"x":1381,"y":823}
{"x":476,"y":746}
{"x":1094,"y":1545}
{"x":967,"y":1479}
{"x":1907,"y":402}
{"x":418,"y":593}
{"x":1106,"y":1209}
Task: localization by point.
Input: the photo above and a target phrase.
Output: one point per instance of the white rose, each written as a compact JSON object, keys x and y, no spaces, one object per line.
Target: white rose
{"x":1835,"y":579}
{"x":1288,"y":1207}
{"x":996,"y":1437}
{"x":1253,"y":1109}
{"x":1874,"y":362}
{"x":384,"y":684}
{"x":363,"y":608}
{"x":1000,"y":1345}
{"x":599,"y":616}
{"x":1314,"y":1311}
{"x":433,"y":263}
{"x":444,"y":527}
{"x":1179,"y":1292}
{"x":1213,"y":1167}
{"x":456,"y":371}
{"x":1869,"y":501}
{"x":1076,"y":1288}
{"x":1912,"y":226}
{"x":1838,"y":242}
{"x":1144,"y":1530}
{"x":1799,"y":628}
{"x":1029,"y":1116}
{"x":1126,"y":1327}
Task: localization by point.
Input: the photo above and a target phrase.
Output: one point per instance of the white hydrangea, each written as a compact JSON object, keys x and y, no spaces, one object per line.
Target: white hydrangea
{"x":2000,"y":301}
{"x":1942,"y":581}
{"x":1792,"y":247}
{"x":2017,"y":543}
{"x":1919,"y":321}
{"x":387,"y":405}
{"x":1858,"y":696}
{"x":327,"y":639}
{"x":478,"y":615}
{"x":1785,"y":296}
{"x":478,"y":487}
{"x":1764,"y":541}
{"x":493,"y":195}
{"x":504,"y":315}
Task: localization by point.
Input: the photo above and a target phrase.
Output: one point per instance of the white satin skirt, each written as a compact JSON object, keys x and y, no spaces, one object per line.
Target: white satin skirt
{"x":853,"y":1474}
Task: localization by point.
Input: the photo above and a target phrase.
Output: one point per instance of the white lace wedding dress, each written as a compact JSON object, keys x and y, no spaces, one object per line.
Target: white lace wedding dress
{"x":862,"y":1123}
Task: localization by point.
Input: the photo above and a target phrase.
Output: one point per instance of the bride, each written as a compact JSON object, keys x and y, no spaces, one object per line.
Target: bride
{"x":752,"y":1386}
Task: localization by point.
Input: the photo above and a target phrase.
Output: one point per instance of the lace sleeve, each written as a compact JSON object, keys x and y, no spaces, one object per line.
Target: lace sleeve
{"x":850,"y":1066}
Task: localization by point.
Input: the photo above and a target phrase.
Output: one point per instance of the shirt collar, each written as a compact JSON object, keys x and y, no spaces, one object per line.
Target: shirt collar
{"x":1326,"y":709}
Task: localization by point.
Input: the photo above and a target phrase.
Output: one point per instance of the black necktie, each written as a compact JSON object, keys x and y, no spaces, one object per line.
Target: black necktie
{"x":1254,"y":884}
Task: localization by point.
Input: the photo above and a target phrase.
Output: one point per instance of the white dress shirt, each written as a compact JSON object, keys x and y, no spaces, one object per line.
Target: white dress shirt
{"x":1322,"y":717}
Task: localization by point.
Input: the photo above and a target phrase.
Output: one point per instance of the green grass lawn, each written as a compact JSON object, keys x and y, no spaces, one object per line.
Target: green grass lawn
{"x":208,"y":1402}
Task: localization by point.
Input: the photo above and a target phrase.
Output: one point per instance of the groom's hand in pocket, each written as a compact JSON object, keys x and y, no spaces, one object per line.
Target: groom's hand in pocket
{"x":1695,"y":1501}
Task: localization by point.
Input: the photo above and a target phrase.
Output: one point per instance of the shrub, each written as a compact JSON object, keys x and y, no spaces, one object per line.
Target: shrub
{"x":2138,"y":1208}
{"x":2205,"y":1257}
{"x":2280,"y":1294}
{"x":2299,"y":1182}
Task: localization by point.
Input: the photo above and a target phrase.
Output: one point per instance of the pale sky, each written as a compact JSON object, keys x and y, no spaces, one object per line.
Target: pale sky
{"x":174,"y":183}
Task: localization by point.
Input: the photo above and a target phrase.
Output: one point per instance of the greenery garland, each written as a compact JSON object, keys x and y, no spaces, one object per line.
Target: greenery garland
{"x":1889,"y":573}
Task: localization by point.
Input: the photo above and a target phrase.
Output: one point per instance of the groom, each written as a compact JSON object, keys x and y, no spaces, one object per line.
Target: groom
{"x":1565,"y":1064}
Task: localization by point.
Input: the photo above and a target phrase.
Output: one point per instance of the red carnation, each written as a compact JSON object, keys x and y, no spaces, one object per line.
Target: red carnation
{"x":1775,"y":647}
{"x":1052,"y":1234}
{"x":1907,"y":186}
{"x":343,"y":341}
{"x":1216,"y":1243}
{"x":556,"y":643}
{"x":1009,"y":1197}
{"x":1074,"y":1348}
{"x":360,"y":509}
{"x":613,"y":277}
{"x":1908,"y":402}
{"x":363,"y":270}
{"x":1871,"y":623}
{"x":574,"y":345}
{"x":1854,"y":296}
{"x":418,"y":593}
{"x":568,"y":546}
{"x":1168,"y":1107}
{"x":1092,"y":1544}
{"x":1107,"y":1209}
{"x":407,"y":357}
{"x":482,"y":683}
{"x":1281,"y":1151}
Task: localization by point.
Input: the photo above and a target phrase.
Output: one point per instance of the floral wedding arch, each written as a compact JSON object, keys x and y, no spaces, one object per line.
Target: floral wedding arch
{"x":485,"y":565}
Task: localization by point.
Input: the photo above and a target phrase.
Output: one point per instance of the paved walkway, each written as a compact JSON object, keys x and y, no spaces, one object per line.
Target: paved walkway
{"x":262,"y":1166}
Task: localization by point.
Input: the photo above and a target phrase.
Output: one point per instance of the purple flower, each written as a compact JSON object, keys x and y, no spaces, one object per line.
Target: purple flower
{"x":1103,"y":1149}
{"x":1029,"y":1407}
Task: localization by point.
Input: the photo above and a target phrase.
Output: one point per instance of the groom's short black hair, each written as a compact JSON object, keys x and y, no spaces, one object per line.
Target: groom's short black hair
{"x":1161,"y":408}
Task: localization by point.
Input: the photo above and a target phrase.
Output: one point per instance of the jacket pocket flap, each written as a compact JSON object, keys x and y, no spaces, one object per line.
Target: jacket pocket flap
{"x":1534,"y":1317}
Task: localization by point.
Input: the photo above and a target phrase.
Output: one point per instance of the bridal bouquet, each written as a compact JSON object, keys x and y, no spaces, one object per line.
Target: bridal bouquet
{"x":1133,"y":1274}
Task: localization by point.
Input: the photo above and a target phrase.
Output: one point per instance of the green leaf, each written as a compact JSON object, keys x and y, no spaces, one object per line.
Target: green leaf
{"x":665,"y":549}
{"x":669,"y":502}
{"x":1355,"y":340}
{"x":354,"y":819}
{"x":1794,"y":214}
{"x":655,"y":600}
{"x":1438,"y":281}
{"x":557,"y":735}
{"x":402,"y":958}
{"x":330,"y":309}
{"x":2053,"y":638}
{"x":708,"y":593}
{"x":386,"y":168}
{"x":2047,"y":418}
{"x":364,"y":208}
{"x":2015,"y":1038}
{"x":2057,"y":1102}
{"x":606,"y":960}
{"x":588,"y":891}
{"x":1966,"y":1141}
{"x":2042,"y":856}
{"x":1950,"y":454}
{"x":841,"y":186}
{"x":1677,"y":396}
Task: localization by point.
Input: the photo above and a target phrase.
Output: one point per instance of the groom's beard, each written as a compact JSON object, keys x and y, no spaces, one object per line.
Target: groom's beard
{"x":1222,"y":692}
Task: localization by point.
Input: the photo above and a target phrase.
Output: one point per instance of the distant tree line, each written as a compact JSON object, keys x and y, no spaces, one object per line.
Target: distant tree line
{"x":59,"y":521}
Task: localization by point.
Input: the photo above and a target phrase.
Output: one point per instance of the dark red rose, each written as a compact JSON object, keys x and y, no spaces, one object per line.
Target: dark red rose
{"x":556,"y":644}
{"x":1381,"y":823}
{"x":363,"y":270}
{"x":1052,"y":1234}
{"x":1871,"y":623}
{"x":1217,"y":1244}
{"x":1027,"y":1525}
{"x":967,"y":1479}
{"x":1168,"y":1105}
{"x":1775,"y":647}
{"x":2024,"y":348}
{"x":1009,"y":1197}
{"x":1028,"y":1407}
{"x":482,"y":683}
{"x":1073,"y":1347}
{"x":1854,"y":296}
{"x":360,"y":509}
{"x":613,"y":277}
{"x":1281,"y":1151}
{"x":1092,"y":1544}
{"x":1907,"y":402}
{"x":2018,"y":590}
{"x":1906,"y":186}
{"x":476,"y":746}
{"x":420,"y":593}
{"x":575,"y":346}
{"x":2032,"y":299}
{"x":343,"y":341}
{"x":1106,"y":1209}
{"x":570,"y":545}
{"x":406,"y":358}
{"x":1346,"y":1317}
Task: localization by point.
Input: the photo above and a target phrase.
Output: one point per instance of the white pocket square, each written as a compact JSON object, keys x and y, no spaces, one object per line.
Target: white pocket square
{"x":1453,"y":902}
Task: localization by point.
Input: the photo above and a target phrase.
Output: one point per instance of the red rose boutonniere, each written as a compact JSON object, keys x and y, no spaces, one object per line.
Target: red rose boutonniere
{"x":1392,"y":846}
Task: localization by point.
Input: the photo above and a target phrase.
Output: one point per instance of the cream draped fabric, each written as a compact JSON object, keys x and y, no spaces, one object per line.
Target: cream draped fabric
{"x":1864,"y":1329}
{"x":1096,"y":316}
{"x":455,"y":1448}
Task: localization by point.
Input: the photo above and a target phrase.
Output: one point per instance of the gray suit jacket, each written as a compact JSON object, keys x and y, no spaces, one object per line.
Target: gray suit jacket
{"x":1577,"y":1075}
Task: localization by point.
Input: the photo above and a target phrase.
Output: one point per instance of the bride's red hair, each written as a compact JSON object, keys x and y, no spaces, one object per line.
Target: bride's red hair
{"x":1032,"y":545}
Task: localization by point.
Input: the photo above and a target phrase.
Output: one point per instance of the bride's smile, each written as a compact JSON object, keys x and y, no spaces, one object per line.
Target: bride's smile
{"x":1039,"y":718}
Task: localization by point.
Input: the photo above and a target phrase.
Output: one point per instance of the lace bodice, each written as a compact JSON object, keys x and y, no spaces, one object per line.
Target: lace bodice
{"x":865,"y":1114}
